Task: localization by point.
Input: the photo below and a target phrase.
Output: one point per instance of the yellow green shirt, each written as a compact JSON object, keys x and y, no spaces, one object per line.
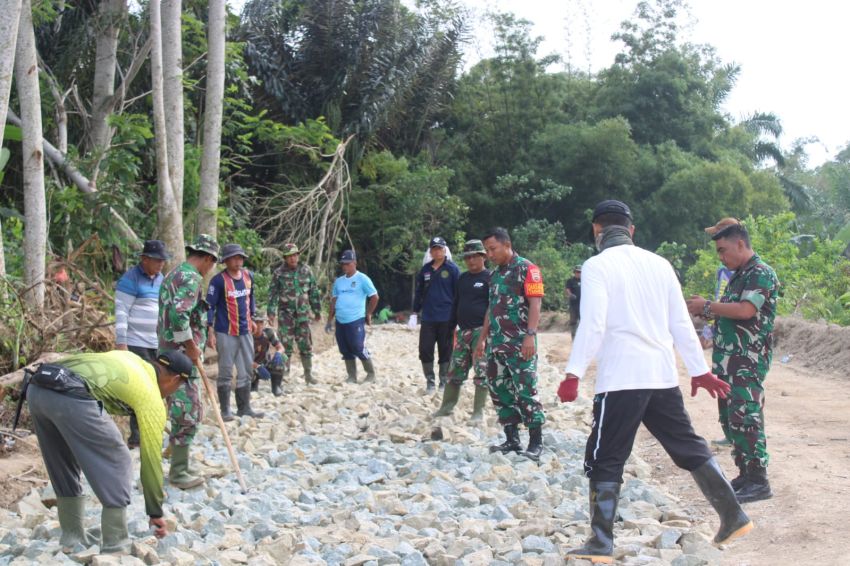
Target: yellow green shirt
{"x":124,"y":382}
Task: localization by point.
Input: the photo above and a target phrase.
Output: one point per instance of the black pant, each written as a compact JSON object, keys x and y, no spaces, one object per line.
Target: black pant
{"x":147,"y":354}
{"x":616,"y":418}
{"x":440,"y":333}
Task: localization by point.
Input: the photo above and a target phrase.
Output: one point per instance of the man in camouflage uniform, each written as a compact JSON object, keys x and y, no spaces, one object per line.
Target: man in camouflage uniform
{"x":269,"y":356}
{"x":182,"y":326}
{"x":469,"y":307}
{"x":743,"y":348}
{"x":293,"y":294}
{"x":510,"y":329}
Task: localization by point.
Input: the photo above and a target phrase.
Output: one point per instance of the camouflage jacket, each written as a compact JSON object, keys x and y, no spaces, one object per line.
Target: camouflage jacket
{"x":182,"y":309}
{"x":745,"y":347}
{"x":262,"y":343}
{"x":510,"y":287}
{"x":294,"y":291}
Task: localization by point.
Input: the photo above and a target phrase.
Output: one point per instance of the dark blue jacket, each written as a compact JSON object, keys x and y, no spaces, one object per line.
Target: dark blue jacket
{"x":435,"y":291}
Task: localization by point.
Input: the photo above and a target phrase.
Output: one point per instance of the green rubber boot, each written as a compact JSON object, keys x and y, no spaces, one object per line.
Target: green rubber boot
{"x":351,"y":370}
{"x":113,"y":526}
{"x":370,"y":370}
{"x":307,"y":364}
{"x":478,"y":403}
{"x":451,"y":394}
{"x":72,"y":512}
{"x":179,"y":475}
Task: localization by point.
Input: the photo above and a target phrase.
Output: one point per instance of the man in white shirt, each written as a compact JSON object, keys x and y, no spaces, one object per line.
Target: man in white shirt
{"x":633,"y":315}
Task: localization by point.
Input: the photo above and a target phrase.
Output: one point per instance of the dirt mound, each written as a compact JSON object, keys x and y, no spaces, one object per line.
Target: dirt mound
{"x":812,"y":344}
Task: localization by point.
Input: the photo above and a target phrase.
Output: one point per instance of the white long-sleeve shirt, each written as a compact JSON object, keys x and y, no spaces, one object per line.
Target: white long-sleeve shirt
{"x":632,"y":316}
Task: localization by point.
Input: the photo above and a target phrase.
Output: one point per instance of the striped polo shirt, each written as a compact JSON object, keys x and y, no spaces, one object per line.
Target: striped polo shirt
{"x":231,"y":303}
{"x":136,"y":308}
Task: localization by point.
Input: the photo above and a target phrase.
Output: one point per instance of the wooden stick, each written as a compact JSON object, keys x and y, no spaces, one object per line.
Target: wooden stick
{"x":217,"y":411}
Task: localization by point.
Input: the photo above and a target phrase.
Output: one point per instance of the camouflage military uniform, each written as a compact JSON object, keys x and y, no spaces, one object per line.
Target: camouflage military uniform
{"x":182,"y":316}
{"x":293,"y":294}
{"x":263,"y":343}
{"x":463,"y":361}
{"x":742,"y":353}
{"x":511,"y":378}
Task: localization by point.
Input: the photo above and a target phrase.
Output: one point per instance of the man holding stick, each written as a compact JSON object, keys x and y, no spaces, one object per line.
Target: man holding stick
{"x":182,"y":325}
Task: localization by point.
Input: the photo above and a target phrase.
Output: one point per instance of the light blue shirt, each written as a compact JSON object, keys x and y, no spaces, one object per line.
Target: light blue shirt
{"x":351,"y":294}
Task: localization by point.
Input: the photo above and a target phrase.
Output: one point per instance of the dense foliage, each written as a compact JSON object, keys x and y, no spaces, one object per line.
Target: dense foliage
{"x":513,"y":140}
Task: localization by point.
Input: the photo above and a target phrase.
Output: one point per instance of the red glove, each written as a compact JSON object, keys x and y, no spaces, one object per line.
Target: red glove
{"x":710,"y":382}
{"x":568,"y":390}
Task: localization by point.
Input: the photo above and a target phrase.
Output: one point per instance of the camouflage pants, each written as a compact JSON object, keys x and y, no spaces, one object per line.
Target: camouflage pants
{"x":292,"y":331}
{"x":462,"y":360}
{"x":185,"y":410}
{"x":512,"y":381}
{"x":742,"y":419}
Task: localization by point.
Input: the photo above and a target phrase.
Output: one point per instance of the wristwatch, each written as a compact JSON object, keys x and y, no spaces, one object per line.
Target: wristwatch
{"x":531,"y":332}
{"x":706,"y":309}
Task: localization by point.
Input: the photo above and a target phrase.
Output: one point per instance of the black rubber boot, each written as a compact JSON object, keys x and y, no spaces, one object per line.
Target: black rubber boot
{"x":428,"y":370}
{"x":599,"y":548}
{"x":756,"y":487}
{"x":224,"y":401}
{"x":351,"y":370}
{"x":733,"y":521}
{"x":738,"y":482}
{"x":511,"y":443}
{"x":444,"y":374}
{"x":243,"y":403}
{"x":369,"y":366}
{"x":277,"y":381}
{"x":133,"y":440}
{"x":451,"y":394}
{"x":535,"y":444}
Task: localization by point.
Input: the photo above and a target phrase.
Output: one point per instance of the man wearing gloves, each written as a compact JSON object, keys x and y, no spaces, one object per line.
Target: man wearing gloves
{"x":230,"y":297}
{"x":351,"y":313}
{"x":435,"y":289}
{"x":269,"y":356}
{"x":70,"y":403}
{"x":633,"y":315}
{"x":469,"y":308}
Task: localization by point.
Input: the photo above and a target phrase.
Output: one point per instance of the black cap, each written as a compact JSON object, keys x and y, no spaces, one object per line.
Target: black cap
{"x":176,"y":362}
{"x":348,"y":256}
{"x":155,"y":249}
{"x":230,"y":250}
{"x":611,"y":207}
{"x":437,"y":241}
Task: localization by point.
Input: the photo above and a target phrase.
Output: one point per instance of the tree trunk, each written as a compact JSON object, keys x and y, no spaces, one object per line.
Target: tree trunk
{"x":110,"y":15}
{"x":172,"y":77}
{"x":35,"y":208}
{"x":211,"y":157}
{"x":9,"y":17}
{"x":170,"y":220}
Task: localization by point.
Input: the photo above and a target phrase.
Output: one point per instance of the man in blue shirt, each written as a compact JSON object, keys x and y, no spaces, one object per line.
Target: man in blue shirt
{"x":230,"y":297}
{"x":349,"y":309}
{"x":136,"y":311}
{"x":435,"y":291}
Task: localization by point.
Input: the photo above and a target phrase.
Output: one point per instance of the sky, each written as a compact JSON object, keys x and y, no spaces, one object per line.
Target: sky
{"x":792,"y":54}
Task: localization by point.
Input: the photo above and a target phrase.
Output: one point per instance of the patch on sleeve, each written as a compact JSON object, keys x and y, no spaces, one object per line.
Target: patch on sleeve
{"x":533,"y":282}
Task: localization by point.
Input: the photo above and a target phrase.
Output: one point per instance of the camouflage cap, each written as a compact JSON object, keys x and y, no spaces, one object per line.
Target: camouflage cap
{"x":206,"y":244}
{"x":473,"y":247}
{"x":259,"y":317}
{"x":289,"y":249}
